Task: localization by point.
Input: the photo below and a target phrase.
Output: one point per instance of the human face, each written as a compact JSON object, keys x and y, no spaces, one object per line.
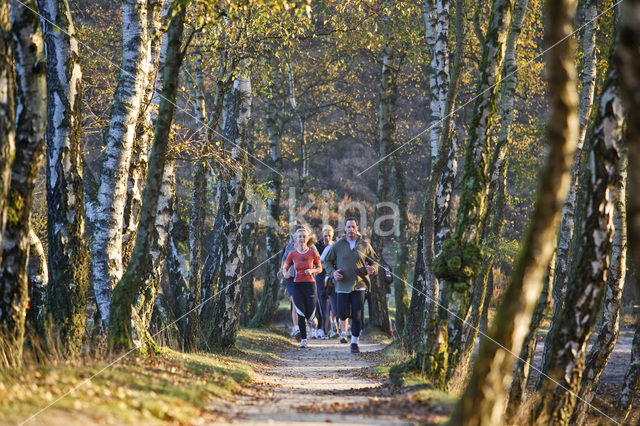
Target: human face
{"x":301,"y":238}
{"x":351,"y":229}
{"x":327,"y":236}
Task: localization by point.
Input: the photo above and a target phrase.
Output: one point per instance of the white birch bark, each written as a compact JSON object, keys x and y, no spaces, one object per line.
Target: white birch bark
{"x":7,"y":113}
{"x":38,"y":274}
{"x":121,"y":334}
{"x":156,"y":16}
{"x":483,"y":401}
{"x":68,"y":263}
{"x":226,"y":314}
{"x":626,"y":57}
{"x":600,"y":352}
{"x":31,"y":119}
{"x":568,"y":343}
{"x":567,"y":224}
{"x":125,"y":109}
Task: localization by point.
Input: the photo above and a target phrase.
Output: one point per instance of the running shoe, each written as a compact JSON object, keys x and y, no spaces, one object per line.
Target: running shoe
{"x":303,"y":344}
{"x":332,"y":334}
{"x":320,"y":334}
{"x":343,"y":337}
{"x":297,"y":335}
{"x":314,"y":333}
{"x":354,"y":348}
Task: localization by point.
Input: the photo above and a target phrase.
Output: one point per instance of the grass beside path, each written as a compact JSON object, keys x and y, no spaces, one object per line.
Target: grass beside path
{"x":152,"y":389}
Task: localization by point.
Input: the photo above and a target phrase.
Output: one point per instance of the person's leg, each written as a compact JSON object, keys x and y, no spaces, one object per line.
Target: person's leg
{"x":294,"y":314}
{"x":343,"y":314}
{"x":298,"y":306}
{"x":357,"y":305}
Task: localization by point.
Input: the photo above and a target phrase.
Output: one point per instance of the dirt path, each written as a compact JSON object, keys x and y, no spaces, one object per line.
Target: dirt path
{"x":324,"y":383}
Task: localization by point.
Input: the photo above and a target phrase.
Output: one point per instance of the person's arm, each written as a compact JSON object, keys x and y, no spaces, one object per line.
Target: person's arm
{"x":317,"y":265}
{"x":285,"y":267}
{"x":371,"y":261}
{"x":330,"y":260}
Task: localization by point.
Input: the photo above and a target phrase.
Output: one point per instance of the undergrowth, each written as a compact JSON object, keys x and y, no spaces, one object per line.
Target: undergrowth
{"x":168,"y":386}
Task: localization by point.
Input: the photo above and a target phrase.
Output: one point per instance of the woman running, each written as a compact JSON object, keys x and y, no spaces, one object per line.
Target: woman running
{"x":306,"y":263}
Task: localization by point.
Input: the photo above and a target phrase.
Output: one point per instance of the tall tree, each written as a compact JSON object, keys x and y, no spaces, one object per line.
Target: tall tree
{"x":600,"y":352}
{"x":568,"y":224}
{"x":492,"y":228}
{"x":112,"y":192}
{"x":273,"y":123}
{"x":30,"y":96}
{"x":156,"y":22}
{"x":483,"y":400}
{"x":565,"y":361}
{"x":66,"y":298}
{"x":224,"y":327}
{"x":460,"y":258}
{"x":387,"y":105}
{"x":626,"y":58}
{"x":125,"y":293}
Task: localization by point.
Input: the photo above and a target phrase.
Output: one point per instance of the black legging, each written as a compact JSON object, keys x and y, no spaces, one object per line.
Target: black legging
{"x":304,"y":302}
{"x":353,"y":301}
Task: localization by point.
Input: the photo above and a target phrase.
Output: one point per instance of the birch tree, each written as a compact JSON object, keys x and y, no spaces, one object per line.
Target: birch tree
{"x":112,"y":192}
{"x":273,"y":123}
{"x":432,"y":347}
{"x":66,"y":298}
{"x":143,"y":257}
{"x":600,"y":352}
{"x":13,"y":290}
{"x":497,"y":197}
{"x":483,"y":400}
{"x":31,"y":121}
{"x":567,"y":224}
{"x":387,"y":134}
{"x":156,"y":20}
{"x":567,"y":349}
{"x":226,"y":315}
{"x":626,"y":58}
{"x":460,"y":258}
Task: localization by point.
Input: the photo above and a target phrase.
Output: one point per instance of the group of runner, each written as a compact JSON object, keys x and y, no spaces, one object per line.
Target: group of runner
{"x":328,"y":281}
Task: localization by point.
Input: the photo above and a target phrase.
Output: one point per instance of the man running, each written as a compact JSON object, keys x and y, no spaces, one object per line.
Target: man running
{"x":350,"y":261}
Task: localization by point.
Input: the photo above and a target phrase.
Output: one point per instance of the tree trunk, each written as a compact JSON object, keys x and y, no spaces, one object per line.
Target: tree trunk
{"x":31,"y":119}
{"x":66,"y":301}
{"x":145,"y":298}
{"x":120,"y":328}
{"x":631,"y":383}
{"x":629,"y":65}
{"x":386,"y":137}
{"x":413,"y":328}
{"x":38,"y":276}
{"x":156,"y":17}
{"x":626,"y":58}
{"x":249,"y":256}
{"x":522,"y":371}
{"x":600,"y":352}
{"x":568,"y":343}
{"x":303,"y":161}
{"x":460,"y":258}
{"x":459,"y":357}
{"x":483,"y":400}
{"x":226,"y":314}
{"x":269,"y":301}
{"x":178,"y":290}
{"x":436,"y":19}
{"x":107,"y":236}
{"x":7,"y":122}
{"x":568,"y":224}
{"x":401,"y":269}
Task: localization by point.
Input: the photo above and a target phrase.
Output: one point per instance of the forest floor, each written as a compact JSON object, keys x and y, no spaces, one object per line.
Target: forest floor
{"x":325,"y":383}
{"x":267,"y":380}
